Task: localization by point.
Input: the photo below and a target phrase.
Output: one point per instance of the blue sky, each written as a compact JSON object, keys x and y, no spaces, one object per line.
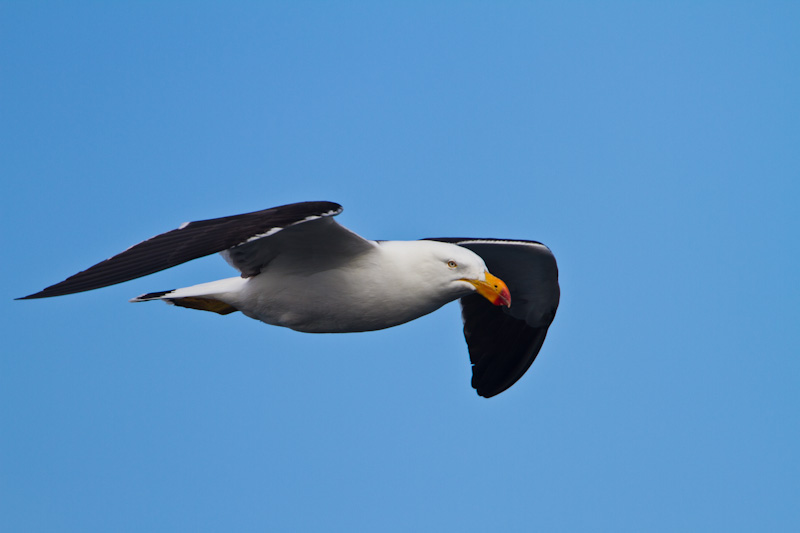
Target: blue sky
{"x":654,"y":148}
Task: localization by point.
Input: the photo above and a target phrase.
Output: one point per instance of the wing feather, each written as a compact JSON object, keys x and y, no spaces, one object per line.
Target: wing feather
{"x":191,"y":241}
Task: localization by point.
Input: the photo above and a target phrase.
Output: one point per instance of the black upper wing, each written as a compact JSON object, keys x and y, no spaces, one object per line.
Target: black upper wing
{"x":190,"y":241}
{"x":503,"y":342}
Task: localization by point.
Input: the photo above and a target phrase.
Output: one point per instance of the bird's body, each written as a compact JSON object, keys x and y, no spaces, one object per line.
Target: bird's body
{"x":388,"y":284}
{"x":302,"y":270}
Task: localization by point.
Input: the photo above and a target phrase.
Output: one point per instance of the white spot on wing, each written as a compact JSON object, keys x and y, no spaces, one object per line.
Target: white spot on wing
{"x":532,"y":244}
{"x":184,"y":225}
{"x":273,"y":231}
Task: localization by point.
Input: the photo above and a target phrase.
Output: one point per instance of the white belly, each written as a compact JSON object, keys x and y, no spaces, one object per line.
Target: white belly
{"x":334,"y":301}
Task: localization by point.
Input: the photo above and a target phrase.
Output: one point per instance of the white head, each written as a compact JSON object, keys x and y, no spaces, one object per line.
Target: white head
{"x":449,"y":270}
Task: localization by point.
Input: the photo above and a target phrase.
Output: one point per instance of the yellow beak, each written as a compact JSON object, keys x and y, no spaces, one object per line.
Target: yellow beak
{"x":493,"y":289}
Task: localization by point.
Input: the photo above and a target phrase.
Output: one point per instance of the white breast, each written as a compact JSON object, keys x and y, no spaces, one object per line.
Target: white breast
{"x":380,"y":289}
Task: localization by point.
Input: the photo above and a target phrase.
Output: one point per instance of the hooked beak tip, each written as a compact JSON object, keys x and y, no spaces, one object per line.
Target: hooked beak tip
{"x":493,"y":289}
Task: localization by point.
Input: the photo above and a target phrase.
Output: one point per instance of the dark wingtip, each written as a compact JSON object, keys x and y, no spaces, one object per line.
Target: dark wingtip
{"x":483,"y":393}
{"x":31,"y":296}
{"x":54,"y":290}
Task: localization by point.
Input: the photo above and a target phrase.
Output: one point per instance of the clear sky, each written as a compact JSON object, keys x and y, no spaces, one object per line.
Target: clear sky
{"x":654,"y":148}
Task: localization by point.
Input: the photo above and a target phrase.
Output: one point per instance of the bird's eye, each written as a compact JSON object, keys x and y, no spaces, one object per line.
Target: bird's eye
{"x":452,"y":264}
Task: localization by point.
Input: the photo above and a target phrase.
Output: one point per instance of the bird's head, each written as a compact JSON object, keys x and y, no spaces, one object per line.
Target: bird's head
{"x":464,"y":272}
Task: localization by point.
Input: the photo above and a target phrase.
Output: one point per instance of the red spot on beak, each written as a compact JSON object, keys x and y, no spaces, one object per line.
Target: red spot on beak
{"x":493,"y":289}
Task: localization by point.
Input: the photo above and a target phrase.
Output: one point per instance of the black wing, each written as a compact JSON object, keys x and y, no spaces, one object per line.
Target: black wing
{"x":503,"y":342}
{"x":191,"y":241}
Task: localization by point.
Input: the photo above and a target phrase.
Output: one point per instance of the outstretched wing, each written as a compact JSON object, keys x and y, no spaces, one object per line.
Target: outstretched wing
{"x":503,"y":342}
{"x":249,"y":241}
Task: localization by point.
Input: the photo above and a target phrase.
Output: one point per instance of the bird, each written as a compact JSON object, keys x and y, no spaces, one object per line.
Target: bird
{"x":301,"y":269}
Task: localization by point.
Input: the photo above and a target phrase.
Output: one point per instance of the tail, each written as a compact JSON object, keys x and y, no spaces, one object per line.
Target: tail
{"x":218,"y":296}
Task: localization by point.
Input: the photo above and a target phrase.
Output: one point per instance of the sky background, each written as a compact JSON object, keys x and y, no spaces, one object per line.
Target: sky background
{"x":654,"y":148}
